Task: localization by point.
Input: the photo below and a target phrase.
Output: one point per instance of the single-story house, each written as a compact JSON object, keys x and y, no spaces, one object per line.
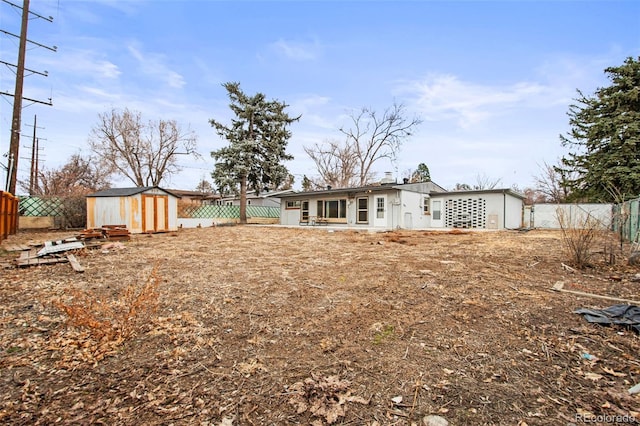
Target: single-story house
{"x":197,"y":198}
{"x":390,"y":205}
{"x":263,"y":199}
{"x":141,"y":209}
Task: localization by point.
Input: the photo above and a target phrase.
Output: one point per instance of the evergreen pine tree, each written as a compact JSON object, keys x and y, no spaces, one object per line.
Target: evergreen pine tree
{"x":258,"y":138}
{"x":604,"y":139}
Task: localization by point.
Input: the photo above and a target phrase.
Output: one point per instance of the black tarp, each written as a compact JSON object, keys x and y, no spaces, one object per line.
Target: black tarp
{"x":626,"y":315}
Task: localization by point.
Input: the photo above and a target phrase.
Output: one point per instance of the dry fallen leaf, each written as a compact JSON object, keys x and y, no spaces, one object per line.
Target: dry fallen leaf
{"x":612,"y":372}
{"x":593,"y":376}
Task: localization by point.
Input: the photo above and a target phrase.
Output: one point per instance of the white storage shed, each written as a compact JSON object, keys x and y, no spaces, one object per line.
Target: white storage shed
{"x":141,"y":209}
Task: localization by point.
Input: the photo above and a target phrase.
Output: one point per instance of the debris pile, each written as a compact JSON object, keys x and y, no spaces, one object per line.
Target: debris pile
{"x":61,"y":251}
{"x":52,"y":252}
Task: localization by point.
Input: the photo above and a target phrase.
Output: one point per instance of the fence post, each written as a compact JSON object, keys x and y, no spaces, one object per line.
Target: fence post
{"x":3,"y":217}
{"x":8,"y":214}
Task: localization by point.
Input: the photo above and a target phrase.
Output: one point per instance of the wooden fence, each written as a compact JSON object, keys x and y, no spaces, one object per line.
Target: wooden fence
{"x":8,"y":214}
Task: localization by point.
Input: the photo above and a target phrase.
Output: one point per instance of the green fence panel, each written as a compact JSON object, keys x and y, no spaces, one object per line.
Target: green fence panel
{"x":634,"y":220}
{"x":262,"y":211}
{"x":227,"y":212}
{"x":627,"y":222}
{"x":39,"y":207}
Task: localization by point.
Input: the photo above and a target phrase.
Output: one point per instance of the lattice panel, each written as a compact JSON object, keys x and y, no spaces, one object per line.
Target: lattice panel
{"x":465,"y":213}
{"x":215,"y":211}
{"x":39,"y":207}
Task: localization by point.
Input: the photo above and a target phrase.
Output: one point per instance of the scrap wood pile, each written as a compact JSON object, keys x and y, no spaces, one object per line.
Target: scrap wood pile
{"x":62,"y":251}
{"x":108,"y":232}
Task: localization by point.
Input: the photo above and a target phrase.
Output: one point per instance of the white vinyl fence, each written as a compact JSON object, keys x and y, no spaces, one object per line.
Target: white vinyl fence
{"x":545,"y":216}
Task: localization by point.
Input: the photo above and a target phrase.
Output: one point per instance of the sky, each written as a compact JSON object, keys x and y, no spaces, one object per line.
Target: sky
{"x":492,"y":81}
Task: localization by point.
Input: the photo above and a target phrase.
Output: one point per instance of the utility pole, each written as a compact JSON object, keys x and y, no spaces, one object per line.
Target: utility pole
{"x":17,"y":100}
{"x":14,"y":144}
{"x":35,"y":148}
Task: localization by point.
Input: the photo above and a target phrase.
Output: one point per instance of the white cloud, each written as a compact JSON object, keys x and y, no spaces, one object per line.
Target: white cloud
{"x":99,"y":93}
{"x":312,"y":108}
{"x":153,"y":64}
{"x":445,"y":97}
{"x":296,"y":50}
{"x":82,"y":64}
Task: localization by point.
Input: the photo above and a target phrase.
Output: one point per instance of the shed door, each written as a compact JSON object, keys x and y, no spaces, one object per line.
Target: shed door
{"x":162,"y":217}
{"x":155,"y":216}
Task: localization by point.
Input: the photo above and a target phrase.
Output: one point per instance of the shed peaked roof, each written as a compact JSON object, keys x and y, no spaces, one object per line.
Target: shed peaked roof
{"x":126,"y":192}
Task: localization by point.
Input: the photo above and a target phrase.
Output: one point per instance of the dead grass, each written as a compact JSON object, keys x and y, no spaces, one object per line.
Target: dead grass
{"x":266,"y":325}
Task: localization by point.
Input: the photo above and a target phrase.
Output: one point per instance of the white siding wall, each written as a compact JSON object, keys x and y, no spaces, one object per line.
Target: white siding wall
{"x":412,"y":206}
{"x":501,"y":210}
{"x":114,"y":211}
{"x":289,"y":216}
{"x":494,"y":209}
{"x":514,"y":212}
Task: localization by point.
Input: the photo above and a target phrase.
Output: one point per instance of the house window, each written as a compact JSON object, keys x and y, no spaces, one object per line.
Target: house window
{"x":363,"y":210}
{"x":304,"y":211}
{"x":332,"y":209}
{"x":425,"y":205}
{"x":293,"y":204}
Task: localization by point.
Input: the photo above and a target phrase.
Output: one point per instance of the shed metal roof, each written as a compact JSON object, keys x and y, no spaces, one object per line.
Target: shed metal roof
{"x":127,"y":192}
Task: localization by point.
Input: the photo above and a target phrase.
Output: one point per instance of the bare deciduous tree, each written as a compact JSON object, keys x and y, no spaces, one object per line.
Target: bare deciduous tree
{"x":370,"y":138}
{"x":532,"y":196}
{"x":485,"y":182}
{"x":67,"y":186}
{"x":374,"y":137}
{"x":336,"y":164}
{"x":205,"y":187}
{"x":482,"y":182}
{"x":143,"y":153}
{"x":550,"y":183}
{"x":78,"y":177}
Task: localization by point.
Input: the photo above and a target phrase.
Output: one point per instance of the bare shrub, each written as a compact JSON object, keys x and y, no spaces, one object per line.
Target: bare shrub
{"x":74,"y":212}
{"x":113,"y":321}
{"x":579,"y":236}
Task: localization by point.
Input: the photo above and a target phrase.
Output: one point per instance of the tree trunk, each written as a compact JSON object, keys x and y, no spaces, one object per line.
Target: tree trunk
{"x":243,"y":200}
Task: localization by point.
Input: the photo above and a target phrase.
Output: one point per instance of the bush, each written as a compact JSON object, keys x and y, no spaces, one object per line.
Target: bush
{"x":113,"y":321}
{"x":579,"y":235}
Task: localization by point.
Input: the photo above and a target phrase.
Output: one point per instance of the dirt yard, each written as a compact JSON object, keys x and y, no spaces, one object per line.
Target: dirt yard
{"x":273,"y":326}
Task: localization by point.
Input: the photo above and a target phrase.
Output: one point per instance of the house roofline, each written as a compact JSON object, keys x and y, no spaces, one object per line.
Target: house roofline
{"x":370,"y":188}
{"x":483,"y":191}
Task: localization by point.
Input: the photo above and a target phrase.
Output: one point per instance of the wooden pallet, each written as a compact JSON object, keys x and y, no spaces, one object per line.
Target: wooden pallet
{"x":31,"y":258}
{"x":15,"y":247}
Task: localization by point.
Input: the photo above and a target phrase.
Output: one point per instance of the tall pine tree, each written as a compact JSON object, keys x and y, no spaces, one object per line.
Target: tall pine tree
{"x":604,"y":139}
{"x":258,"y":138}
{"x":421,"y":174}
